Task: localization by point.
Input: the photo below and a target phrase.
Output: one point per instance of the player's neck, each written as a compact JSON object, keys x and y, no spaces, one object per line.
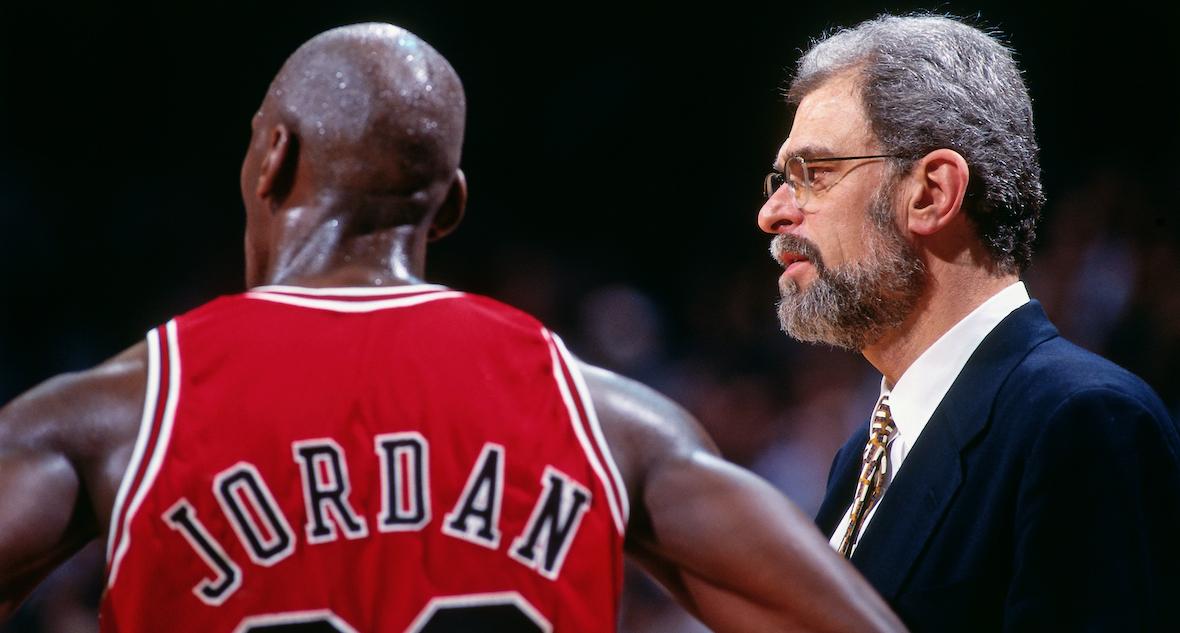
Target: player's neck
{"x":328,"y":255}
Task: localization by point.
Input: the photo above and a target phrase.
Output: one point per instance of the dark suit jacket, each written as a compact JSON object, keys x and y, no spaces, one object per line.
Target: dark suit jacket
{"x":1043,"y":495}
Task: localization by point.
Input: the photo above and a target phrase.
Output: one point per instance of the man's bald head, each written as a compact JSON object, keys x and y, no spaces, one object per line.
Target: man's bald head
{"x":374,"y":110}
{"x":357,"y":140}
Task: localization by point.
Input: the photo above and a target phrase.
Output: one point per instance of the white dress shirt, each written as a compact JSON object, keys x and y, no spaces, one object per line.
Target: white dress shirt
{"x":922,"y":387}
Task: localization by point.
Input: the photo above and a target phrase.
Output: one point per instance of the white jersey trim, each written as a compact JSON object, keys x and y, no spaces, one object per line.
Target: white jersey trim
{"x":612,"y":495}
{"x":145,"y":431}
{"x":351,"y":291}
{"x":161,"y":448}
{"x":353,"y":306}
{"x":595,"y":427}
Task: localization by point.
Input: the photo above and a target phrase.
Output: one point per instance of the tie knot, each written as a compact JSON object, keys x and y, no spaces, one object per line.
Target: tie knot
{"x":882,"y":428}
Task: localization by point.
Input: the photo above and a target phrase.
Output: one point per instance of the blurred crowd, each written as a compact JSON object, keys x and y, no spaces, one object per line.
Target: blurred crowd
{"x":1109,"y":255}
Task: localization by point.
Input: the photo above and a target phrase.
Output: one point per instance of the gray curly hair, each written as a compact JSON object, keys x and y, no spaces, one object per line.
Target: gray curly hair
{"x":929,"y":82}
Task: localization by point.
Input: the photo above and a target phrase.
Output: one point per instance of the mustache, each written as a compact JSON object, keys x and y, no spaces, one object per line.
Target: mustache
{"x":787,"y":243}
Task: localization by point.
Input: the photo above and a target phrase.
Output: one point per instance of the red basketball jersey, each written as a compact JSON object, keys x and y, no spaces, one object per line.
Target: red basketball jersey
{"x":409,"y":459}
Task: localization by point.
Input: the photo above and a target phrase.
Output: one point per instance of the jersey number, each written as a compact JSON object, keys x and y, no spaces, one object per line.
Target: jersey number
{"x":506,"y":612}
{"x":492,"y":618}
{"x":317,"y":626}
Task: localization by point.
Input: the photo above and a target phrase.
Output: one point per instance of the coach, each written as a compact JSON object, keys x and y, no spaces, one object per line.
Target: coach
{"x":1006,"y":479}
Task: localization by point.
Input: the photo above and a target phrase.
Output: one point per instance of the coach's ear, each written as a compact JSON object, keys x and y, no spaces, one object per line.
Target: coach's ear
{"x":938,"y":183}
{"x":451,"y":212}
{"x":276,"y":173}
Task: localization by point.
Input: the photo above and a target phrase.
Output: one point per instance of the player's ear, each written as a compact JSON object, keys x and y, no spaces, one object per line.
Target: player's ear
{"x":938,"y":184}
{"x":451,"y":211}
{"x":276,"y":174}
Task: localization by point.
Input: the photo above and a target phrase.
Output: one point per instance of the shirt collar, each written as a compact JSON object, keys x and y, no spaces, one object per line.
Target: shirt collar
{"x":921,"y":388}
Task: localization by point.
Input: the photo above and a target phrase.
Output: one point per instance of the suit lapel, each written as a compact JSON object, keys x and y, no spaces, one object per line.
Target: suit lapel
{"x":932,"y":473}
{"x":913,"y":504}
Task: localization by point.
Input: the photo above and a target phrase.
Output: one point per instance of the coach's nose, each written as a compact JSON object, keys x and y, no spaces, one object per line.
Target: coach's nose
{"x":780,"y":212}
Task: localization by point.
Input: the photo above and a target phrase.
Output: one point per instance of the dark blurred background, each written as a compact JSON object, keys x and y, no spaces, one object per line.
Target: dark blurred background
{"x":614,"y":155}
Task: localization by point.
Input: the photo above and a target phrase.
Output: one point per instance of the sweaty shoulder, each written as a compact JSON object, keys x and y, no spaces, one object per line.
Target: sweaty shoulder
{"x":89,"y":419}
{"x":641,"y":426}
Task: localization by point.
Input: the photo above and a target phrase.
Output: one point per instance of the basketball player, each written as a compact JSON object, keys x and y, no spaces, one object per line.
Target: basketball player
{"x":347,"y":448}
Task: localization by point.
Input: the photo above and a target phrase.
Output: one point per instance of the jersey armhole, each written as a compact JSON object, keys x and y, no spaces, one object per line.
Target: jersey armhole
{"x":576,"y":394}
{"x":151,"y":442}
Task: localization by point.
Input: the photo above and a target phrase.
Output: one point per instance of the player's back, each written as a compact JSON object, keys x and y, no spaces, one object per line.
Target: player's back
{"x":408,"y":459}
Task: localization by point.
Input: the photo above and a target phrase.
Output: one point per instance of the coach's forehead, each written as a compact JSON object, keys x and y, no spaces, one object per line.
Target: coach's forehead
{"x":831,"y":120}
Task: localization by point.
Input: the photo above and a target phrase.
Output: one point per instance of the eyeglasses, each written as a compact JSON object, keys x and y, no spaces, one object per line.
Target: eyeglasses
{"x":804,"y":178}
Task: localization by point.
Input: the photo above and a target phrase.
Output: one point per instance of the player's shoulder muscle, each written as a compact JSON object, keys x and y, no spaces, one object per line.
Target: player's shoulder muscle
{"x":641,"y":426}
{"x":87,"y":416}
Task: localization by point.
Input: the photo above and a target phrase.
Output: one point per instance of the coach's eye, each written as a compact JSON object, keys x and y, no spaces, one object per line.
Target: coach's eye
{"x":819,"y":177}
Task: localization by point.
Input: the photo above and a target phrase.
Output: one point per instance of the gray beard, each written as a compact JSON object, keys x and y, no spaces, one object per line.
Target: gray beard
{"x":852,"y":307}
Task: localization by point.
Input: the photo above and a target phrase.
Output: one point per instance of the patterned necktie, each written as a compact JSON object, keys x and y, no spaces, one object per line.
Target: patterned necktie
{"x":874,"y":471}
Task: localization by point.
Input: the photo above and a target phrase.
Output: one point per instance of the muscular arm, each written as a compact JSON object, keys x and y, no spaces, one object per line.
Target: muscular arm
{"x":63,"y":448}
{"x":729,"y":546}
